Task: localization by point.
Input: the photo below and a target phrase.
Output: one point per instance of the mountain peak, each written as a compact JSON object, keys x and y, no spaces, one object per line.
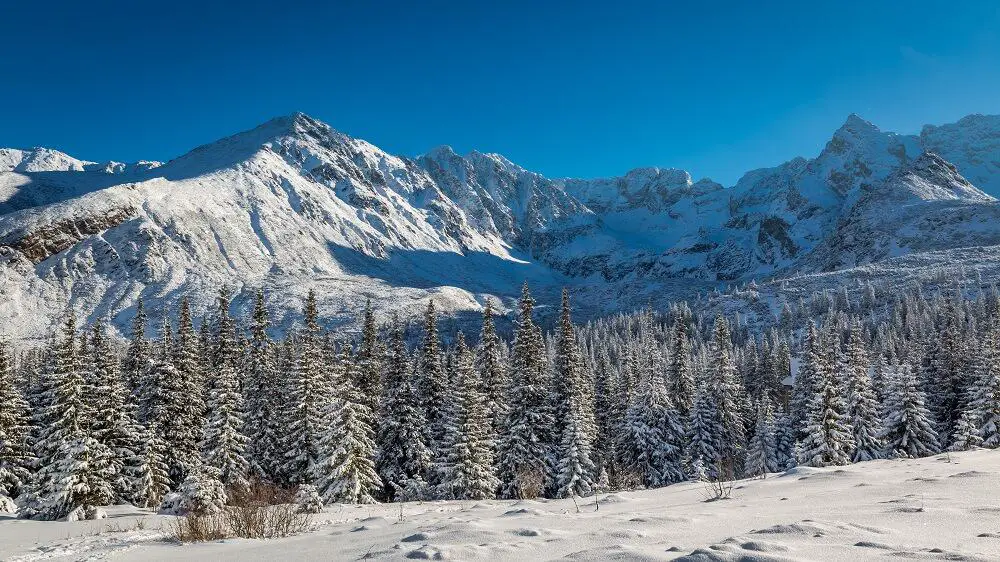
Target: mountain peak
{"x":857,"y":126}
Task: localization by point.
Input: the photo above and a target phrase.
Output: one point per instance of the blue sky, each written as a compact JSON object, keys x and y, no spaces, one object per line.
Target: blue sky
{"x":565,"y":88}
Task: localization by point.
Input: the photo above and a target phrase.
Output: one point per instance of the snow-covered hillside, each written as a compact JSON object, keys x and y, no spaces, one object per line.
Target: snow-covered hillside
{"x":936,"y":508}
{"x":294,"y":205}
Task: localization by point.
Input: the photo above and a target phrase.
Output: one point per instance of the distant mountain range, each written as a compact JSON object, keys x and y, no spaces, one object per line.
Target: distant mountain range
{"x":293,"y":205}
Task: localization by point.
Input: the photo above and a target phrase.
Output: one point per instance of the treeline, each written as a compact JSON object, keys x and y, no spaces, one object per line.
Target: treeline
{"x":644,"y":399}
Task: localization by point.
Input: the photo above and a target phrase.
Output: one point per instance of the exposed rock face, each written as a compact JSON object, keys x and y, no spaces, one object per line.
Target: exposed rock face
{"x":294,"y":204}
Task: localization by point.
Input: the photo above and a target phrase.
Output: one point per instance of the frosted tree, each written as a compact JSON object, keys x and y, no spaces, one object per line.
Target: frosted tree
{"x":727,"y":395}
{"x":762,"y":449}
{"x":403,"y":457}
{"x":431,"y":382}
{"x":467,"y":470}
{"x":225,"y":445}
{"x":112,"y":417}
{"x":986,"y":391}
{"x":523,"y":447}
{"x":806,"y":380}
{"x":15,"y":458}
{"x":680,"y":375}
{"x":345,"y":472}
{"x":784,"y":440}
{"x":73,"y":468}
{"x":367,"y":369}
{"x":966,"y":436}
{"x":263,"y":394}
{"x":184,"y":433}
{"x":651,"y":439}
{"x":138,"y":359}
{"x":575,"y":471}
{"x":946,"y":374}
{"x":862,"y":406}
{"x":908,"y":431}
{"x":492,"y":370}
{"x":703,"y":436}
{"x":168,"y":407}
{"x":150,"y":477}
{"x":307,"y":401}
{"x":827,"y":433}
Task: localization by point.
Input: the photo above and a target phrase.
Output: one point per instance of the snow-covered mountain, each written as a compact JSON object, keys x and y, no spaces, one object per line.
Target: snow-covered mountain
{"x":293,"y":205}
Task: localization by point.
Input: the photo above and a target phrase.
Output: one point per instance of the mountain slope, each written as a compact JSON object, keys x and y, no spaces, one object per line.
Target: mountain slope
{"x":294,"y":205}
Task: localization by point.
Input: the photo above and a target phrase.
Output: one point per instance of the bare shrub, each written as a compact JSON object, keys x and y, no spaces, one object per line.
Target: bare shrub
{"x":719,"y":486}
{"x":530,"y":483}
{"x":263,"y":511}
{"x":200,"y":528}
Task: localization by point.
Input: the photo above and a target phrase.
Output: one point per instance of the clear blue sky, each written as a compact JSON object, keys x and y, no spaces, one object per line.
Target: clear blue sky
{"x":568,"y":89}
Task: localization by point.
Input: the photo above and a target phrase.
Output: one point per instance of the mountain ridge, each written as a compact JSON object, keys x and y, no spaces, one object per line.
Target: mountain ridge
{"x":294,"y":204}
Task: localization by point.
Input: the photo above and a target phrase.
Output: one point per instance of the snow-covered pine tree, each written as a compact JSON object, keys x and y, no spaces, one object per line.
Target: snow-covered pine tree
{"x":806,"y":380}
{"x":225,"y":444}
{"x":307,"y":401}
{"x":575,"y":472}
{"x":73,"y":468}
{"x":468,"y":471}
{"x":966,"y":435}
{"x":524,"y":444}
{"x":346,"y":470}
{"x":827,"y":438}
{"x":907,"y":431}
{"x":650,"y":446}
{"x":138,"y":360}
{"x":185,"y":433}
{"x":946,"y":376}
{"x":403,"y":457}
{"x":680,"y":375}
{"x":986,"y":392}
{"x":367,"y":368}
{"x":862,"y":407}
{"x":148,"y":471}
{"x":167,"y":406}
{"x":784,"y":441}
{"x":728,"y":394}
{"x":15,"y":457}
{"x":703,"y":436}
{"x":431,"y":384}
{"x":112,"y":416}
{"x":262,"y":397}
{"x":608,"y":413}
{"x":762,"y":449}
{"x":492,"y":371}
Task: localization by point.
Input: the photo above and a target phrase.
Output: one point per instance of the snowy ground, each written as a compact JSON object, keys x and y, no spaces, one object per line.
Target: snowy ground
{"x":927,"y":509}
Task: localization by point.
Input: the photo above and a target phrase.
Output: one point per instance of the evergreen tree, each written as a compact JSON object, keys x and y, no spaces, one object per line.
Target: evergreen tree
{"x":651,"y":439}
{"x":784,"y":440}
{"x":762,"y":449}
{"x":263,"y":395}
{"x":703,"y":437}
{"x":403,"y":458}
{"x":225,"y":445}
{"x":680,"y":376}
{"x":15,"y":458}
{"x":492,"y":371}
{"x":468,"y":471}
{"x":112,"y":418}
{"x":138,"y":359}
{"x":575,"y":470}
{"x":986,"y":392}
{"x":431,"y":384}
{"x":523,"y":446}
{"x":907,"y":428}
{"x":307,"y":401}
{"x":367,"y":369}
{"x":862,"y":407}
{"x":728,"y":394}
{"x":966,"y":435}
{"x":150,"y":476}
{"x":346,"y":471}
{"x":184,"y":433}
{"x":827,"y":433}
{"x":73,"y":468}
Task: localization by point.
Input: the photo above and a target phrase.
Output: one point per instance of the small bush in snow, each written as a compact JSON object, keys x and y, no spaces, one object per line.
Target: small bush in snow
{"x":202,"y":492}
{"x":308,"y":500}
